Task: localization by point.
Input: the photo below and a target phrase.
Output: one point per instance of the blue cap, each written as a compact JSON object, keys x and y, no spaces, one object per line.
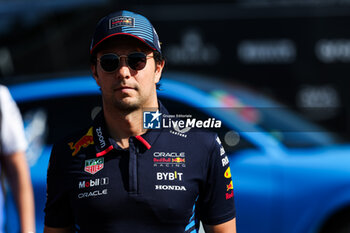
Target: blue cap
{"x":125,"y":23}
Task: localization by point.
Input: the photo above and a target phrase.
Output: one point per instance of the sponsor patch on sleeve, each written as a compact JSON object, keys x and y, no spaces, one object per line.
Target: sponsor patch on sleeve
{"x":85,"y":141}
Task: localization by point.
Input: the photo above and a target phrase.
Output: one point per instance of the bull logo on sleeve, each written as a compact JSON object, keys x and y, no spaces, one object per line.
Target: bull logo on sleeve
{"x":84,"y":141}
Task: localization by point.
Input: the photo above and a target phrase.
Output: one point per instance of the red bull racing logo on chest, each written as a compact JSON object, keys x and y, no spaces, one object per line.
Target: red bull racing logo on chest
{"x":169,"y":159}
{"x":84,"y":141}
{"x":94,"y":165}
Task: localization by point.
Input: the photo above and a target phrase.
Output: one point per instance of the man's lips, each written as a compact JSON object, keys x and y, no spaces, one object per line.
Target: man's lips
{"x":124,"y":88}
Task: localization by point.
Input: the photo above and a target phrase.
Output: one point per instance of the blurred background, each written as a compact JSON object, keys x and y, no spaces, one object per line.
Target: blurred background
{"x":296,"y":52}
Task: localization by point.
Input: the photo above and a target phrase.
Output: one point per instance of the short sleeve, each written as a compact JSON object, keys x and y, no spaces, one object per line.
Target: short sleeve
{"x":12,"y":131}
{"x":216,"y":202}
{"x":58,"y":212}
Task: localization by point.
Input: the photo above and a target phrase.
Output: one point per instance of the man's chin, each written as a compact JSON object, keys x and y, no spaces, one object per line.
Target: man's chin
{"x":126,"y":106}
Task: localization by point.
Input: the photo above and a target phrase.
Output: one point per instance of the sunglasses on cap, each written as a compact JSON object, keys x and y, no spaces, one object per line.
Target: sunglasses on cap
{"x":110,"y":61}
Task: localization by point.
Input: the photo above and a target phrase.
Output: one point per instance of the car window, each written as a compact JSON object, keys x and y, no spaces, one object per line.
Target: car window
{"x":288,"y":127}
{"x":265,"y":114}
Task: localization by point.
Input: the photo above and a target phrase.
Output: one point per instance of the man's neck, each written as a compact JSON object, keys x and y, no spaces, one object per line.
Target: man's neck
{"x":123,"y":125}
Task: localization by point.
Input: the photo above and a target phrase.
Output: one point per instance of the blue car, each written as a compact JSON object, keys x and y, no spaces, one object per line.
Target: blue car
{"x":289,"y":175}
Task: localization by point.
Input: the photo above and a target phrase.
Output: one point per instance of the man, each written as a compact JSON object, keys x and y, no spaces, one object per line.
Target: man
{"x":106,"y":178}
{"x":13,"y":162}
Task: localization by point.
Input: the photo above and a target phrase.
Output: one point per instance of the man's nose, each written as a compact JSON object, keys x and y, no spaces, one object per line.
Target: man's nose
{"x":123,"y":70}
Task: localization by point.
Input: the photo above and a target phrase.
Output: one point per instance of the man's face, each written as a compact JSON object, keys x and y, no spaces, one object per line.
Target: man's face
{"x":127,"y":89}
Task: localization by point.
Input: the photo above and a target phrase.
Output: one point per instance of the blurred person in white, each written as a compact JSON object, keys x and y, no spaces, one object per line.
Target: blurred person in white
{"x":13,"y":163}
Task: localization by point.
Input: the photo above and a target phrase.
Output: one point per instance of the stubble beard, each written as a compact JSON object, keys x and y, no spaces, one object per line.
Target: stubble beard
{"x":127,"y":107}
{"x":124,"y":105}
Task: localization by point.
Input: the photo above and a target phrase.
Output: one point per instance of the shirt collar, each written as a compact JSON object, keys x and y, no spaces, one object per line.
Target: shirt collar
{"x":104,"y":143}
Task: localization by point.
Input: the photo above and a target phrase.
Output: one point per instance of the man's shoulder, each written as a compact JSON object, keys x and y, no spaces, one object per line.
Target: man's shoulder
{"x":203,"y":134}
{"x":73,"y":142}
{"x":78,"y":133}
{"x":194,"y":137}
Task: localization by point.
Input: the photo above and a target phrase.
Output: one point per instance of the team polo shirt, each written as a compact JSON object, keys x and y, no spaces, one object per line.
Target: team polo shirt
{"x":164,"y":182}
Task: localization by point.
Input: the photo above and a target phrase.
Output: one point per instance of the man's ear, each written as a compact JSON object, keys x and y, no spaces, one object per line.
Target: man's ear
{"x":158,"y":72}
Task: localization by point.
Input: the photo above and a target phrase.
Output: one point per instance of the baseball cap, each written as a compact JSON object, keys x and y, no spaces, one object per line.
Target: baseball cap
{"x":125,"y":23}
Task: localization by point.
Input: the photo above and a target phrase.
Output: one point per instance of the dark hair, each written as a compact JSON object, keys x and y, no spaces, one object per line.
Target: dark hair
{"x":158,"y":58}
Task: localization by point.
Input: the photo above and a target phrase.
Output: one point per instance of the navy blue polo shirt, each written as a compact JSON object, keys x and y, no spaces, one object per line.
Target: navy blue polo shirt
{"x":164,"y":182}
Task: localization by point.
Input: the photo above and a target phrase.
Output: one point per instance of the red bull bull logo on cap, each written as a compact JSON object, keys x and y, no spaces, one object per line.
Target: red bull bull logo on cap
{"x":84,"y":141}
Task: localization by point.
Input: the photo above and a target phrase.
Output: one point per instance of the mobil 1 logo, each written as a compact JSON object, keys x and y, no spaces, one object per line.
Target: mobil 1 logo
{"x":93,"y":182}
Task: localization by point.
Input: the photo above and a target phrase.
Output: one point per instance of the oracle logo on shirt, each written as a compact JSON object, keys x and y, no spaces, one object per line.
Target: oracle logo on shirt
{"x":169,"y":154}
{"x":93,"y":193}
